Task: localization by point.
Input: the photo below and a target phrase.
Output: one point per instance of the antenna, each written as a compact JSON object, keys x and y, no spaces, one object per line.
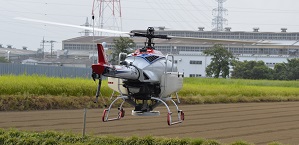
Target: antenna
{"x":106,"y":14}
{"x":218,"y":21}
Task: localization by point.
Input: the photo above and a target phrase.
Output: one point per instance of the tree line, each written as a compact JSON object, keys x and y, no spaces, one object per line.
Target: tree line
{"x":259,"y":70}
{"x":222,"y":59}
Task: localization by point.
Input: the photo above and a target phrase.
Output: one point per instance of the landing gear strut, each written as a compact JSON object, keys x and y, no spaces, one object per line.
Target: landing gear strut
{"x":121,"y":111}
{"x":120,"y":114}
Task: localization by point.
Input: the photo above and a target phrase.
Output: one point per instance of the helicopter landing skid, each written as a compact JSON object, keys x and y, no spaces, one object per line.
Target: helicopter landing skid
{"x":181,"y":115}
{"x":121,"y":111}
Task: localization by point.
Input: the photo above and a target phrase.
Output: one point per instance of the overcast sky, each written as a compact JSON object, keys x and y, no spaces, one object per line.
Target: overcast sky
{"x":242,"y":15}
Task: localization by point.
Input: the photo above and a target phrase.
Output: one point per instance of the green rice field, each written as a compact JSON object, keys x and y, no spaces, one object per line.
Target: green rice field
{"x":43,"y":92}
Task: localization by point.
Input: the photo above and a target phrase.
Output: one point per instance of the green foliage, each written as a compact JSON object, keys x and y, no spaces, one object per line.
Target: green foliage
{"x":3,"y":60}
{"x":11,"y":141}
{"x":2,"y":131}
{"x":50,"y":141}
{"x":251,"y":70}
{"x":275,"y":143}
{"x":133,"y":140}
{"x":28,"y":141}
{"x":280,"y":71}
{"x":258,"y":70}
{"x":211,"y":142}
{"x":240,"y":143}
{"x":55,"y":138}
{"x":122,"y":45}
{"x":221,"y":60}
{"x":287,"y":71}
{"x":149,"y":140}
{"x":2,"y":139}
{"x":197,"y":141}
{"x":104,"y":140}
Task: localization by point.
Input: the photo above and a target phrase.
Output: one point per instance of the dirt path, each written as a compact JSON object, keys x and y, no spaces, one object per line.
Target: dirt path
{"x":258,"y":123}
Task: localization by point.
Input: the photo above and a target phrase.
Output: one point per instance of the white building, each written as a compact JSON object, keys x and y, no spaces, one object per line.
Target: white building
{"x":188,"y":55}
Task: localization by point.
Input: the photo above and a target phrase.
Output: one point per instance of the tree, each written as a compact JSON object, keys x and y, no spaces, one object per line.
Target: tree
{"x":3,"y":60}
{"x":287,"y":71}
{"x":121,"y":45}
{"x":293,"y":68}
{"x":281,"y":71}
{"x":251,"y":70}
{"x":221,"y":60}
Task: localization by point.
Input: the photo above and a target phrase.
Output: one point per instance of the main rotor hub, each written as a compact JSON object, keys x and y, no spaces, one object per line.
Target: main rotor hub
{"x":150,"y":35}
{"x":150,"y":30}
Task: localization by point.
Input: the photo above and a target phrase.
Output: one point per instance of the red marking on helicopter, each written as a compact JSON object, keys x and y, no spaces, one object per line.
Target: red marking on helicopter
{"x":102,"y":61}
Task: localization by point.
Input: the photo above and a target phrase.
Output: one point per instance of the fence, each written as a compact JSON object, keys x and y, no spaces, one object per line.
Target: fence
{"x":51,"y":71}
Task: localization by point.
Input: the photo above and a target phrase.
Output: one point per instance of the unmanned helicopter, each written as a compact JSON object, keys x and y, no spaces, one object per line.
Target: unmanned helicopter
{"x":146,"y":78}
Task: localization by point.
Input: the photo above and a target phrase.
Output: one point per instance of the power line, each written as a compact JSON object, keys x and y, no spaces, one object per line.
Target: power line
{"x":195,"y":18}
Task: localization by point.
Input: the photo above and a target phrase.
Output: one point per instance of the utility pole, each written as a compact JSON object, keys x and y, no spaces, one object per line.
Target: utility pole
{"x":43,"y":47}
{"x":51,"y":45}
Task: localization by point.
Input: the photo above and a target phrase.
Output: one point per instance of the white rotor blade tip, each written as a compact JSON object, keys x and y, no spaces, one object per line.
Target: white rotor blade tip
{"x":74,"y":26}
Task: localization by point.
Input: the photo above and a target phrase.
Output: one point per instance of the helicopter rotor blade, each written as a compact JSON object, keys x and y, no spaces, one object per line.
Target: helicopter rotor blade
{"x":144,"y":34}
{"x":217,"y":41}
{"x":74,"y":26}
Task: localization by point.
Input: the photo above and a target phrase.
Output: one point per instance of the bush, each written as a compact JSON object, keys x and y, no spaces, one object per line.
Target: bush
{"x":240,"y":143}
{"x":15,"y":137}
{"x":211,"y":142}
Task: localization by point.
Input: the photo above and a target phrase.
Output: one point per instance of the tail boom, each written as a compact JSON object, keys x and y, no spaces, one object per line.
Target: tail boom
{"x":117,"y":71}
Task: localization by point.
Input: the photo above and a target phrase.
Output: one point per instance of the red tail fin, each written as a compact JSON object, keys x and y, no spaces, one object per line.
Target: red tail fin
{"x":101,"y":55}
{"x":102,"y":61}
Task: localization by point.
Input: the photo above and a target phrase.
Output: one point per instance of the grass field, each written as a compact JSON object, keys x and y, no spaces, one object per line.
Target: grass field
{"x":207,"y":90}
{"x":42,"y":85}
{"x":41,"y":92}
{"x":238,"y":87}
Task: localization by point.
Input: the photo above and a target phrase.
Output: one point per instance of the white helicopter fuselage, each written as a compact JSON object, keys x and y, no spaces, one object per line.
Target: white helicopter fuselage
{"x":144,"y":73}
{"x":145,"y":80}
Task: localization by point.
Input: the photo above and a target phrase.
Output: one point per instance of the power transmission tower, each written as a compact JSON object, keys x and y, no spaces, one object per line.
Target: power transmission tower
{"x":86,"y":24}
{"x":106,"y":14}
{"x":219,"y":20}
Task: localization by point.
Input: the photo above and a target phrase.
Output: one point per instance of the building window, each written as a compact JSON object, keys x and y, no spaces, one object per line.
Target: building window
{"x":195,"y":62}
{"x":194,"y":75}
